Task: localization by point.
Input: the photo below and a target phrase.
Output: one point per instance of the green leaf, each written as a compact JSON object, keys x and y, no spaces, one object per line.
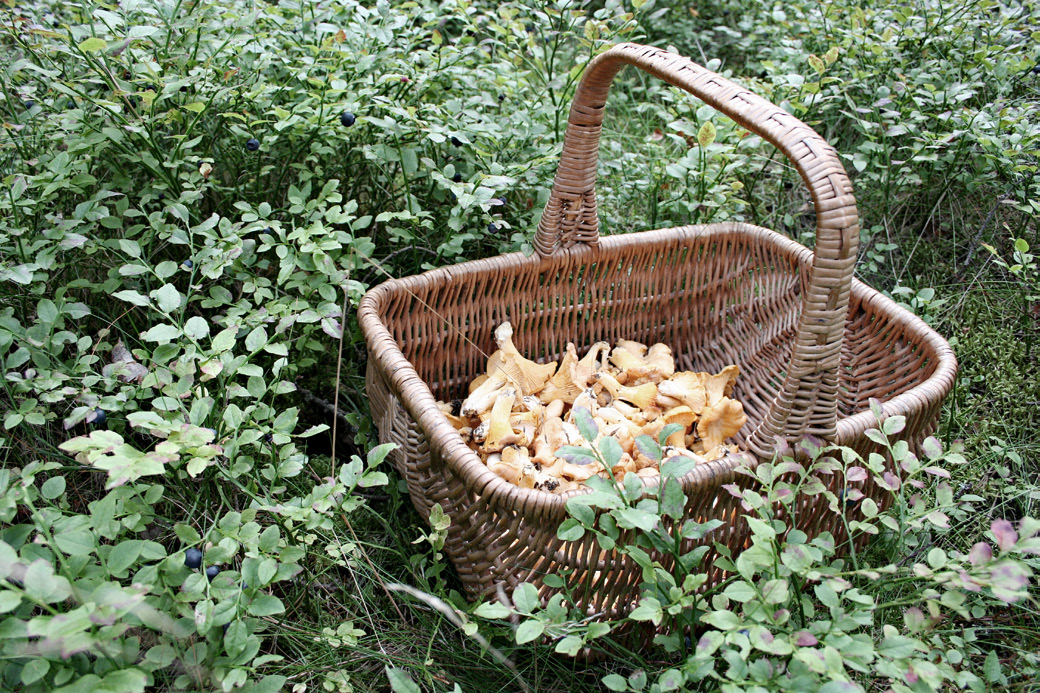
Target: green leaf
{"x":630,"y":518}
{"x":167,"y":298}
{"x":585,"y":423}
{"x":224,"y":340}
{"x":196,"y":328}
{"x":123,"y":555}
{"x":570,"y":646}
{"x":571,"y":529}
{"x":740,"y":592}
{"x":161,"y":333}
{"x":9,"y":601}
{"x":492,"y":610}
{"x":525,"y":598}
{"x":132,"y":297}
{"x":93,"y":45}
{"x":991,"y":668}
{"x":611,"y":450}
{"x":34,"y":670}
{"x":53,"y":487}
{"x":194,"y":107}
{"x":649,"y":609}
{"x":615,"y":683}
{"x":265,"y":605}
{"x":76,"y":542}
{"x":47,"y":312}
{"x":528,"y":631}
{"x":401,"y":681}
{"x":723,"y":620}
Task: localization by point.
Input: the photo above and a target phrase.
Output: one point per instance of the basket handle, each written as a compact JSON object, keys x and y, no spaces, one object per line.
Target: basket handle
{"x":807,"y":401}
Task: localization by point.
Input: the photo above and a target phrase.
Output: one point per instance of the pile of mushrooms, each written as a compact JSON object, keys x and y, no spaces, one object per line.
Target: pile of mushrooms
{"x":519,"y":413}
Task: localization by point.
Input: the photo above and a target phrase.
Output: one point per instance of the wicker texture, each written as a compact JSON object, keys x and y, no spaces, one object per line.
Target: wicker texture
{"x":813,"y":344}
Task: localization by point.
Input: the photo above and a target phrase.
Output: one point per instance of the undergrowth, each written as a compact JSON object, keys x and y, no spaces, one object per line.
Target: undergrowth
{"x":196,"y":195}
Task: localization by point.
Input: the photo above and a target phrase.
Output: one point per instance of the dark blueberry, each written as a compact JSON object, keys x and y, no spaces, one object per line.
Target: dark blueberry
{"x":184,"y":88}
{"x":456,"y":142}
{"x":501,"y":98}
{"x":252,"y":144}
{"x":1036,"y":69}
{"x":29,"y":104}
{"x":346,"y":119}
{"x":492,"y":228}
{"x":268,"y":230}
{"x":193,"y":558}
{"x":212,"y":572}
{"x":268,"y":438}
{"x":848,"y":501}
{"x":457,"y":178}
{"x":100,"y":417}
{"x":498,"y":202}
{"x":189,"y":264}
{"x":162,"y":196}
{"x":746,"y":632}
{"x":245,"y":585}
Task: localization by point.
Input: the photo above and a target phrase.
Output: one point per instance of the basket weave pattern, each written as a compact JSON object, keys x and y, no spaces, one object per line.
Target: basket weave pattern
{"x":813,"y":344}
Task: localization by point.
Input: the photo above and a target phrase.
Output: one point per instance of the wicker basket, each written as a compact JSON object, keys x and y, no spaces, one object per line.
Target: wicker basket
{"x":813,"y":344}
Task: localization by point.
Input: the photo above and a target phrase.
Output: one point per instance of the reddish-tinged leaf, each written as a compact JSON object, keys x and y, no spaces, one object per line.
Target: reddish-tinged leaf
{"x":980,"y":553}
{"x":968,"y":583}
{"x":1004,"y":533}
{"x":734,"y":490}
{"x":855,"y":474}
{"x":937,"y":471}
{"x":804,"y":638}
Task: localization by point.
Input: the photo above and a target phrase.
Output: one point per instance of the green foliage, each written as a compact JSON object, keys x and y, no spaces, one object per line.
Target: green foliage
{"x":172,"y":298}
{"x":793,"y":613}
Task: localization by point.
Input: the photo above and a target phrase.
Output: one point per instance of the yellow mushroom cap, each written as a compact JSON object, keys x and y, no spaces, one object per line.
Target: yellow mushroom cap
{"x":500,"y":431}
{"x":527,"y":376}
{"x":660,"y":356}
{"x":720,"y":422}
{"x":633,"y":347}
{"x":566,"y":384}
{"x":641,"y":396}
{"x":683,"y":416}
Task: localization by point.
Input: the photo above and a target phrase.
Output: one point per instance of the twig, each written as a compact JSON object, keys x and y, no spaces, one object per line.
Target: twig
{"x":449,"y":613}
{"x":339,"y":365}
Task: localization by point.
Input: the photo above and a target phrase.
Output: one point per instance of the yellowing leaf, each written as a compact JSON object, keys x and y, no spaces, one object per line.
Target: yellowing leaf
{"x":93,"y":45}
{"x":196,"y":107}
{"x":706,"y":135}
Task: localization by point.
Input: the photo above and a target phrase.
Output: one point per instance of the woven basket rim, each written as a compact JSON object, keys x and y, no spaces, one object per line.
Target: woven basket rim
{"x":446,"y":443}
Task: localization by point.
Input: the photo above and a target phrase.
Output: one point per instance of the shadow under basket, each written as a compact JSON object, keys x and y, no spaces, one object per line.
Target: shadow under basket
{"x":813,"y":346}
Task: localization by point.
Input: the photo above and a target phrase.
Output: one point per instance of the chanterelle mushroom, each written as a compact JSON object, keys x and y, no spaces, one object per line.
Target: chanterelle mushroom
{"x":720,"y":422}
{"x":567,"y":383}
{"x":529,"y":377}
{"x":500,"y":431}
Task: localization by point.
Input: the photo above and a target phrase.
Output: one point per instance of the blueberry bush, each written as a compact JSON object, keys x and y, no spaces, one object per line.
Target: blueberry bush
{"x":196,"y":195}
